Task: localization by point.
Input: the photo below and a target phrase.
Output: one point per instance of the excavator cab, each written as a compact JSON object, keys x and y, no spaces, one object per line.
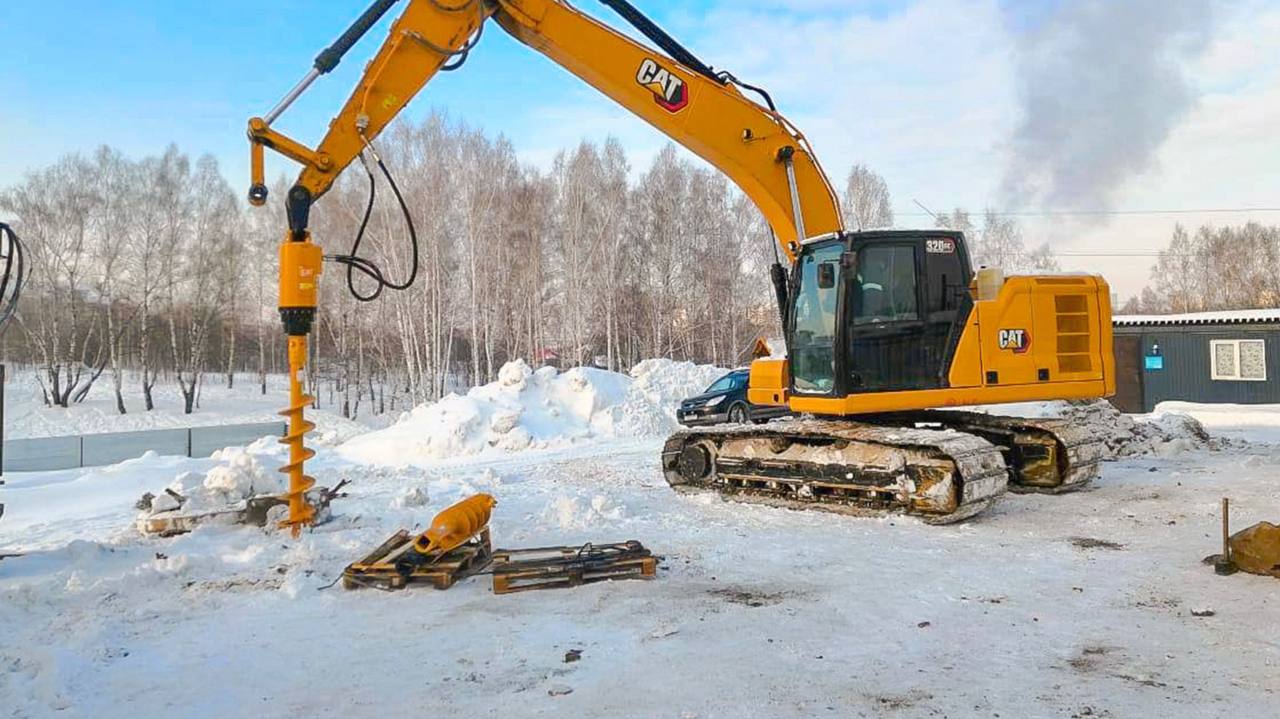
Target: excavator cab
{"x":892,"y":321}
{"x":877,"y":312}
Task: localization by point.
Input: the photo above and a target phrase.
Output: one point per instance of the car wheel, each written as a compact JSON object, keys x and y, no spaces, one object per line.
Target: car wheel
{"x":738,"y":414}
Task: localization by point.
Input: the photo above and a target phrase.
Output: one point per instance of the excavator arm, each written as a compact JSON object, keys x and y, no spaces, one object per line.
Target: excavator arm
{"x":702,"y":110}
{"x":705,"y":112}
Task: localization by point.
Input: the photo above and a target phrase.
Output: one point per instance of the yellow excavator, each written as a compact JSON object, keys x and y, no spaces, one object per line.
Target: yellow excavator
{"x":883,"y":329}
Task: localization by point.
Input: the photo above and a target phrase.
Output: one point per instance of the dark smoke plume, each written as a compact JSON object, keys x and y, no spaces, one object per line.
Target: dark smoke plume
{"x":1101,"y":87}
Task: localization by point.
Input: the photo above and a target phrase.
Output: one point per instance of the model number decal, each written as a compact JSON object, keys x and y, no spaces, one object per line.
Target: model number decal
{"x":1017,"y":340}
{"x":669,"y":90}
{"x":940,"y":247}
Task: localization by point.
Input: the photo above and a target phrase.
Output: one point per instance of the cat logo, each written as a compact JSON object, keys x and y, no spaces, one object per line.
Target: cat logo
{"x":669,"y":91}
{"x":1017,"y":340}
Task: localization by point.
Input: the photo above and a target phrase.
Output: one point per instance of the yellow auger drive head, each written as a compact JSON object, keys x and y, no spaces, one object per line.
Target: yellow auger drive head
{"x":454,"y":526}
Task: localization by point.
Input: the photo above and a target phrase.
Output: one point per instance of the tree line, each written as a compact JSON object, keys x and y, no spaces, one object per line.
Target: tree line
{"x":1214,"y":268}
{"x":152,"y":269}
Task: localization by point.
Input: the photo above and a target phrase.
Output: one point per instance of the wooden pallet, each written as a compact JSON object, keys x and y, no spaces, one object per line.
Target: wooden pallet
{"x":520,"y":570}
{"x":380,"y":570}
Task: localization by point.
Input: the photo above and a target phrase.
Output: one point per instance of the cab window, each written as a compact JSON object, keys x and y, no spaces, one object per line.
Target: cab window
{"x":885,"y":290}
{"x":814,"y":319}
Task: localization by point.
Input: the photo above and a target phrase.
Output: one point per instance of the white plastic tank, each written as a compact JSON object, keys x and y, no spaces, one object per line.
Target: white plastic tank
{"x":990,"y":280}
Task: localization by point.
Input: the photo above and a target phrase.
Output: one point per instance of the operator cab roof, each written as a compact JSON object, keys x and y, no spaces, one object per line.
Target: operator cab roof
{"x":868,"y":235}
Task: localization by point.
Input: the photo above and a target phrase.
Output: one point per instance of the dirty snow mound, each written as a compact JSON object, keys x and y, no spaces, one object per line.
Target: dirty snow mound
{"x":542,"y":409}
{"x":1163,"y":435}
{"x":1160,"y":434}
{"x":237,"y":476}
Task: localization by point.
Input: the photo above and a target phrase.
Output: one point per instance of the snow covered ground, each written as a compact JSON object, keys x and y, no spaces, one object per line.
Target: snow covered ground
{"x":1081,"y":605}
{"x":1258,"y":423}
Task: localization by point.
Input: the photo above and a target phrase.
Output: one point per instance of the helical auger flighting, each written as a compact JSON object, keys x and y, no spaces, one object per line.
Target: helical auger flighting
{"x":300,"y":510}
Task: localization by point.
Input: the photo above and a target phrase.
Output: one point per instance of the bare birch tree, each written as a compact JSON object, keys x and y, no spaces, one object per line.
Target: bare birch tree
{"x":866,"y":201}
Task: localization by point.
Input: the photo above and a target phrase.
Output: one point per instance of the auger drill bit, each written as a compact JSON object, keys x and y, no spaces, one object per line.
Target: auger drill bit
{"x":300,"y":264}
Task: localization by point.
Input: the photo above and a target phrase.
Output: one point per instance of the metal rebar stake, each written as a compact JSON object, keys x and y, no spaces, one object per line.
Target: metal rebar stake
{"x":1224,"y":565}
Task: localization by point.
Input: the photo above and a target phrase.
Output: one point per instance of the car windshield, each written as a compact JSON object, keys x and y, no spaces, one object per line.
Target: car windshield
{"x":724,"y":384}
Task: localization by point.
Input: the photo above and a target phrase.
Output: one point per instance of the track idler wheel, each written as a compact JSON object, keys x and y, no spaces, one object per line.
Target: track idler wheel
{"x":695,"y":462}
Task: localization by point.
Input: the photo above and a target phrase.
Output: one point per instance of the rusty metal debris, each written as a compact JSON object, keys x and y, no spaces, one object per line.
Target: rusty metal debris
{"x":254,"y":511}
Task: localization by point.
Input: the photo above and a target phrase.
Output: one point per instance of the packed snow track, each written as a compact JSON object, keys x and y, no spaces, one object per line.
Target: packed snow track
{"x":1091,"y":604}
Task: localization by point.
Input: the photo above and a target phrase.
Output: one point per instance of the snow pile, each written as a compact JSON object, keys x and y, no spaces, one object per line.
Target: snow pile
{"x":1249,"y":422}
{"x":657,"y":388}
{"x":524,"y":409}
{"x":542,"y":409}
{"x":411,"y":497}
{"x":237,"y":477}
{"x":1162,"y":434}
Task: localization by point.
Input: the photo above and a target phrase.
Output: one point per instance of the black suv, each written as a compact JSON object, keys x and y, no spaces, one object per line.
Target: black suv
{"x":726,"y":401}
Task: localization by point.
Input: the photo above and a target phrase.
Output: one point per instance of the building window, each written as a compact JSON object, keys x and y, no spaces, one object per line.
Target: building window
{"x":1239,"y":360}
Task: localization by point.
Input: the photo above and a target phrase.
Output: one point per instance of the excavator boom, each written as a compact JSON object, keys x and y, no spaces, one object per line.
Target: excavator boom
{"x":752,"y":144}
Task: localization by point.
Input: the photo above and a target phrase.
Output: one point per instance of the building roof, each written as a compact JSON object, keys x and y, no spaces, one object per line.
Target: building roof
{"x":1224,"y":317}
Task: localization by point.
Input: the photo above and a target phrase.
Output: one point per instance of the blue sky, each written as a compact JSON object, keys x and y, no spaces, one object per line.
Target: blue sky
{"x":139,"y":74}
{"x":923,"y":91}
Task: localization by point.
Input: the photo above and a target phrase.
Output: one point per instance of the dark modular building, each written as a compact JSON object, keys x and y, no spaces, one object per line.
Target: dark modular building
{"x":1213,"y":357}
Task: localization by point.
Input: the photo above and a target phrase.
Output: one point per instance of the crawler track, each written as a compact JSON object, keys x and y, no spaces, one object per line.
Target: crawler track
{"x":1048,"y":456}
{"x":941,"y":476}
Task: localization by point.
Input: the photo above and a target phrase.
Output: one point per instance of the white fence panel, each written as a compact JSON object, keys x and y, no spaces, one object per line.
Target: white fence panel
{"x":111,"y":447}
{"x":41,"y":454}
{"x":207,"y":440}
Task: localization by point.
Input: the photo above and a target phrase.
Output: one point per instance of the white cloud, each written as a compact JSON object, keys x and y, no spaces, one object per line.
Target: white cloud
{"x":922,"y":95}
{"x":1223,"y":155}
{"x":926,"y":96}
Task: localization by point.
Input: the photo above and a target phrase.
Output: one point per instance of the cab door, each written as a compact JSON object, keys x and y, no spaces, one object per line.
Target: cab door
{"x":905,"y":305}
{"x":884,"y":324}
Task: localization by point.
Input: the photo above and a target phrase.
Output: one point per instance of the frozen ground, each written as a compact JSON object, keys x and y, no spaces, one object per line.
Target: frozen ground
{"x":1075,"y":606}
